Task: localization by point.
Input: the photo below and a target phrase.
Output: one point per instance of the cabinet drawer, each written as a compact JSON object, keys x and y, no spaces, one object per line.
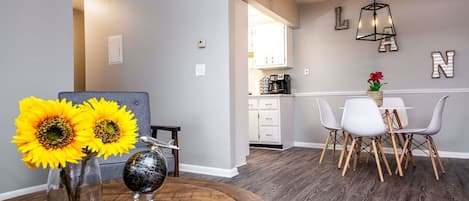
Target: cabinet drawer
{"x":269,"y":118}
{"x":269,"y":134}
{"x":268,"y":103}
{"x":252,"y":104}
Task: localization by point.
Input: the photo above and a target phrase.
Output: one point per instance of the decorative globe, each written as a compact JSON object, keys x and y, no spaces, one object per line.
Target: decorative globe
{"x":145,"y":171}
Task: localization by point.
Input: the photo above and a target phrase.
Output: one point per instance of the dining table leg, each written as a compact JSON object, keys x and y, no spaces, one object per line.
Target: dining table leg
{"x":394,"y":144}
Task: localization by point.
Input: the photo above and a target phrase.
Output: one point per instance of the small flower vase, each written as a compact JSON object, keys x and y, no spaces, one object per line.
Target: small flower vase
{"x":76,"y":182}
{"x":377,"y":96}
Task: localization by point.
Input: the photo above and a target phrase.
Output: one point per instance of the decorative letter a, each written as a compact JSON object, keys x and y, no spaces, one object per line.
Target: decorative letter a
{"x":446,"y":66}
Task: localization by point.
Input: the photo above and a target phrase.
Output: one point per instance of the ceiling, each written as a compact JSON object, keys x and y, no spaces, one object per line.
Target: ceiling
{"x":309,"y":1}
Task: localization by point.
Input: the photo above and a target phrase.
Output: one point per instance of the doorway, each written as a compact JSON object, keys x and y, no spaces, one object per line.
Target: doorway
{"x":79,"y":59}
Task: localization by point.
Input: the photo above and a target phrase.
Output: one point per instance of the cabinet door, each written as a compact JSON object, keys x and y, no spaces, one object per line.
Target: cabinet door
{"x":279,"y":47}
{"x":262,"y":43}
{"x":269,"y":44}
{"x":253,"y":129}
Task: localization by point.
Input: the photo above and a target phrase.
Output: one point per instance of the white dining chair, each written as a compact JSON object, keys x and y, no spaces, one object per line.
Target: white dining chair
{"x":329,"y":122}
{"x":361,"y":118}
{"x":432,"y":129}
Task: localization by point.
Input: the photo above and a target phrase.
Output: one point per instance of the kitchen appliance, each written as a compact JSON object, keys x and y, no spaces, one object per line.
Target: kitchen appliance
{"x":278,"y":84}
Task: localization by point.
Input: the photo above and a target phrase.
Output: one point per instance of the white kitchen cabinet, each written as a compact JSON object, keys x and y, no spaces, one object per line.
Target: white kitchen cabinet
{"x":271,"y":121}
{"x":271,"y":44}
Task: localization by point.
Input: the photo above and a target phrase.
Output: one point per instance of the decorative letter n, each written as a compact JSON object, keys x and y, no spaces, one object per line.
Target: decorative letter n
{"x":447,"y":67}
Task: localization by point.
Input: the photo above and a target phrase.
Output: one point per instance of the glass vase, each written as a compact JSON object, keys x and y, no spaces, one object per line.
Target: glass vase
{"x":76,"y":182}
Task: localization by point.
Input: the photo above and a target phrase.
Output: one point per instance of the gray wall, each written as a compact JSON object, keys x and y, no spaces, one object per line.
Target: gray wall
{"x":160,"y":53}
{"x":340,"y":63}
{"x":36,"y":59}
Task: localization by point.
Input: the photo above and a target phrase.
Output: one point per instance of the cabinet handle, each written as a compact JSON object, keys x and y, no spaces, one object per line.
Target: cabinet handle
{"x":270,"y":135}
{"x":266,"y":60}
{"x":272,"y":59}
{"x":268,"y":104}
{"x":268,"y":118}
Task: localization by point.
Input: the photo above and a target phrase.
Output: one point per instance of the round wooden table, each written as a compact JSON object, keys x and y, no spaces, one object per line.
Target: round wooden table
{"x":175,"y":188}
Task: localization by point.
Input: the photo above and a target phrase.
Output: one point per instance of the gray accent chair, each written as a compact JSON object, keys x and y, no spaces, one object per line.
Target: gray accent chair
{"x":139,"y":104}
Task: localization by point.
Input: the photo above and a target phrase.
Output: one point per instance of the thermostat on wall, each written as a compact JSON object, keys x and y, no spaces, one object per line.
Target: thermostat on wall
{"x":115,"y":49}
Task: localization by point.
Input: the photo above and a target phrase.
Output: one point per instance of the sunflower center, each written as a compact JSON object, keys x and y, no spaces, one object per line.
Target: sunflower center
{"x":107,"y":131}
{"x":54,"y":133}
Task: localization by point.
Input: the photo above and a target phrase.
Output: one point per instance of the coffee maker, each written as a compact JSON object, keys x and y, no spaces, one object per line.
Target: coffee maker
{"x":279,"y":84}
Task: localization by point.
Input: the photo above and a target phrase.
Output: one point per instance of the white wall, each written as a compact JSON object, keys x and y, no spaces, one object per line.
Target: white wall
{"x":340,"y":63}
{"x":239,"y":80}
{"x":36,"y":59}
{"x":160,"y":53}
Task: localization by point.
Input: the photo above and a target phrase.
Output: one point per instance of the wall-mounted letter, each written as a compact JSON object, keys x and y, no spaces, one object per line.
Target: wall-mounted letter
{"x":446,"y":66}
{"x":388,"y":44}
{"x":339,"y":23}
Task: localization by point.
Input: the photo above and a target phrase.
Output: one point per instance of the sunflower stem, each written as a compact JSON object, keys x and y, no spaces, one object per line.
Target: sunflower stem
{"x":65,"y":177}
{"x":82,"y":175}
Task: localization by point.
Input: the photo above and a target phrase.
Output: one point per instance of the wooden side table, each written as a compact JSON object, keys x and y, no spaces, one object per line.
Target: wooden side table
{"x":175,"y":188}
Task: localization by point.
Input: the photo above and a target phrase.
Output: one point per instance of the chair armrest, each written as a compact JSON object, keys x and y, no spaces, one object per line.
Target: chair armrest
{"x":174,"y":136}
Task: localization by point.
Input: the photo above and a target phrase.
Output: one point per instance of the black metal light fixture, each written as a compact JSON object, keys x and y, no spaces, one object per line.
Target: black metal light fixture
{"x":375,"y":22}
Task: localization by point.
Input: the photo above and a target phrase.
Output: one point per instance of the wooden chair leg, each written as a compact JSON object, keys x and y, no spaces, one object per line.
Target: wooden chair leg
{"x":347,"y":162}
{"x":430,"y":153}
{"x":335,"y":142}
{"x":326,"y":144}
{"x":357,"y":153}
{"x":383,"y":155}
{"x":344,"y":150}
{"x":381,"y":178}
{"x":404,"y":153}
{"x":370,"y":152}
{"x":437,"y":155}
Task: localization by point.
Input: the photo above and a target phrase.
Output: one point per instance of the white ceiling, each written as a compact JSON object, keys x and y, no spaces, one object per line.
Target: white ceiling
{"x":309,"y":1}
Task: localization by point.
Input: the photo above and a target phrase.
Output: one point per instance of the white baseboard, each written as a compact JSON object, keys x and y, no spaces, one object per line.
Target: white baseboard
{"x":23,"y":191}
{"x":219,"y":172}
{"x":388,"y":150}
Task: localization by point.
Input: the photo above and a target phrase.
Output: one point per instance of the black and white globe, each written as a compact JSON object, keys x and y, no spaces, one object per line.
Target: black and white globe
{"x":145,"y":171}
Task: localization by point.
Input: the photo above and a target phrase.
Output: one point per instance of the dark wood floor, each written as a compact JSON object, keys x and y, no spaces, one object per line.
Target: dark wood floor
{"x":295,"y":174}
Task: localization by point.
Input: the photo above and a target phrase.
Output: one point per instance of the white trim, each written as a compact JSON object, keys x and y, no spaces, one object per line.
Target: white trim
{"x":219,"y":172}
{"x":388,"y":150}
{"x":398,"y":91}
{"x":23,"y":191}
{"x":242,"y":164}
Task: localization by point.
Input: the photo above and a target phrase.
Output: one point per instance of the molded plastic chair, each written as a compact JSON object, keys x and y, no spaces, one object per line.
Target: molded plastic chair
{"x":361,"y":118}
{"x":330,"y":123}
{"x":432,"y":129}
{"x":139,"y":104}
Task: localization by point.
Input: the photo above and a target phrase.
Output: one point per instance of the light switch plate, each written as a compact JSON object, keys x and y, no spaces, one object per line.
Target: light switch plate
{"x":199,"y":69}
{"x":306,"y":71}
{"x":115,"y":55}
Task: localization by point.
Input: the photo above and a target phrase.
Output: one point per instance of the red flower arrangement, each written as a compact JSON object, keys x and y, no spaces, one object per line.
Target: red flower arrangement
{"x":375,"y":81}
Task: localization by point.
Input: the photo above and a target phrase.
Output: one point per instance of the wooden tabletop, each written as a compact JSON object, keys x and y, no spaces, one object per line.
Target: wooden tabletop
{"x":175,"y":188}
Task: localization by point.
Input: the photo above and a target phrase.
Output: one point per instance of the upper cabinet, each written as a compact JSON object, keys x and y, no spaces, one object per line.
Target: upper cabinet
{"x":269,"y":42}
{"x":270,"y":46}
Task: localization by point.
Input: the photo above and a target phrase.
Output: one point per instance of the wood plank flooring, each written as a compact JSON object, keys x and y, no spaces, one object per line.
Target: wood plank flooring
{"x":295,"y":175}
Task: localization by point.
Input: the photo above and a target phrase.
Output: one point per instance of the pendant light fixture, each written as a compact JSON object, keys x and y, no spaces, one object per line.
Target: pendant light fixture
{"x":375,"y":22}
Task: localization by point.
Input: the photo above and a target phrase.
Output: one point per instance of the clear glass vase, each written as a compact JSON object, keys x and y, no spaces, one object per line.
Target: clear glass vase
{"x":76,"y":182}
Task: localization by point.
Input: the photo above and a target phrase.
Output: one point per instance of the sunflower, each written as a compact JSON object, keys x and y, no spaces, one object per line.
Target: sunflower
{"x":115,"y":129}
{"x":51,"y":132}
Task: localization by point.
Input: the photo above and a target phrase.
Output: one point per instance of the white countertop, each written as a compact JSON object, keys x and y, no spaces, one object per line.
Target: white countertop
{"x":272,"y":95}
